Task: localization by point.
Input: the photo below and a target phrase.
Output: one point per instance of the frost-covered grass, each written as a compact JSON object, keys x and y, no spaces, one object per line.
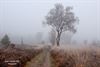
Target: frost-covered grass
{"x":76,"y":56}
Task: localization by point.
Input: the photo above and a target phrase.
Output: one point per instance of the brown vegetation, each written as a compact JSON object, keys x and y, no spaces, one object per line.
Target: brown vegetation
{"x":23,"y":55}
{"x":86,"y":57}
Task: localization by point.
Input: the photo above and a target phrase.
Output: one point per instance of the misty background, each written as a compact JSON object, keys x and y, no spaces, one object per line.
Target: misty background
{"x":23,"y":19}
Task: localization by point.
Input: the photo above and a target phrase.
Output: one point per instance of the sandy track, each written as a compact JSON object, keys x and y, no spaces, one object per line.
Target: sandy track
{"x":41,"y":60}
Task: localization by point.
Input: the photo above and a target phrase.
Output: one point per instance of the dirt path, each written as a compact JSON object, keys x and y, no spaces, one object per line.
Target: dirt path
{"x":47,"y":62}
{"x":42,"y":60}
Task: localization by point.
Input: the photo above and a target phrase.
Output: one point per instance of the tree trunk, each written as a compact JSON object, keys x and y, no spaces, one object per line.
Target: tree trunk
{"x":58,"y":42}
{"x":58,"y":39}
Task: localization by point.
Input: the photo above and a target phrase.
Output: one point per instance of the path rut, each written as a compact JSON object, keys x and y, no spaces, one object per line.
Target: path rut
{"x":41,"y":60}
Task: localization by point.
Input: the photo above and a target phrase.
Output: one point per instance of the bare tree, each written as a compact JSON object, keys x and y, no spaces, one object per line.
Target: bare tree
{"x":85,"y":42}
{"x":52,"y":37}
{"x":22,"y":42}
{"x":39,"y":37}
{"x":66,"y":38}
{"x":61,"y":19}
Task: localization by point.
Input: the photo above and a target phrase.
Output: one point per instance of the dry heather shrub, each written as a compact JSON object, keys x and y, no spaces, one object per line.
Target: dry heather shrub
{"x":23,"y":55}
{"x":88,"y":57}
{"x":62,"y":59}
{"x":80,"y":57}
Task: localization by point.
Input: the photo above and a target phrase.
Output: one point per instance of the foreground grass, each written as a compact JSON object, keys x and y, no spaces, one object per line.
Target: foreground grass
{"x":84,"y":57}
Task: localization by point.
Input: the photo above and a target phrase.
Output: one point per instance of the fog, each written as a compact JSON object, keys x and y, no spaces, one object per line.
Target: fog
{"x":23,"y":18}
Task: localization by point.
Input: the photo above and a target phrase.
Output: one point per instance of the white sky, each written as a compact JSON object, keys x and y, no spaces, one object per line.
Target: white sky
{"x":23,"y":18}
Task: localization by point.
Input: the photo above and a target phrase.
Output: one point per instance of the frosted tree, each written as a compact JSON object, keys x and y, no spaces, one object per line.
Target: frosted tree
{"x":61,"y":19}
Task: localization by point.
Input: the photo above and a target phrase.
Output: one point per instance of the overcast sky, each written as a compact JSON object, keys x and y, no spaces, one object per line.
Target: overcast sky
{"x":23,"y":18}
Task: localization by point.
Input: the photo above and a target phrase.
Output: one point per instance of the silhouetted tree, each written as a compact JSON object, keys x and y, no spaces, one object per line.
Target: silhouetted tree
{"x":22,"y":43}
{"x":66,"y":38}
{"x":39,"y":37}
{"x":5,"y":40}
{"x":85,"y":42}
{"x":61,"y":20}
{"x":52,"y":37}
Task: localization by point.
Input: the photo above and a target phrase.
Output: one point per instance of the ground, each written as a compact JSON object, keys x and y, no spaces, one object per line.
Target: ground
{"x":41,"y":60}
